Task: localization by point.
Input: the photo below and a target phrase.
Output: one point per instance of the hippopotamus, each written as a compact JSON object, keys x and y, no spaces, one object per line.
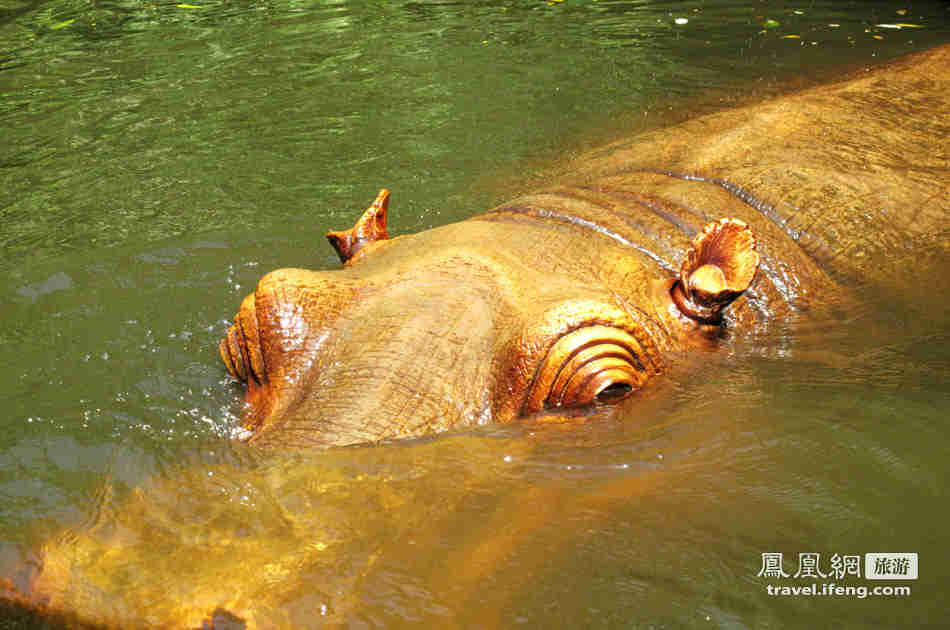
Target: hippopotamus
{"x":562,"y":303}
{"x":560,"y":306}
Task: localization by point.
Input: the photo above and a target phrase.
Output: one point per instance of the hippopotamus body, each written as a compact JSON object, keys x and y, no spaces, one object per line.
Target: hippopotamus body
{"x":559,"y":306}
{"x":565,"y":301}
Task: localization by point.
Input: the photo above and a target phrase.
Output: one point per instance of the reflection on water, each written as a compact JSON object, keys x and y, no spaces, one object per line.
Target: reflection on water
{"x":816,"y":444}
{"x":156,"y":159}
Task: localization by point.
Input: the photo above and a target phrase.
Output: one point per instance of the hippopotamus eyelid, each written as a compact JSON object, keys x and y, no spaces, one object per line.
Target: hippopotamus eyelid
{"x":584,"y":386}
{"x":574,"y":360}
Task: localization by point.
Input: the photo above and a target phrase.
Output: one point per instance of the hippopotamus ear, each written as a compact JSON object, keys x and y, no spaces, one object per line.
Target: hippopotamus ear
{"x":370,"y":228}
{"x":719,"y":268}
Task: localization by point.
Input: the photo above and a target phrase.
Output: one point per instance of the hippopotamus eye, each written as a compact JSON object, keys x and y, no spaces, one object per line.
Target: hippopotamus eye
{"x":590,"y":365}
{"x":614,"y":391}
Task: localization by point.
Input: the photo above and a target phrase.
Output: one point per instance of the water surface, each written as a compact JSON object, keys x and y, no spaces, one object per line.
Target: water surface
{"x":157,"y":158}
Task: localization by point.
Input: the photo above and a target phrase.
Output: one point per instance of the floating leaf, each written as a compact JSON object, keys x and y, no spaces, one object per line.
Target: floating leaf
{"x":63,"y":24}
{"x":188,"y":6}
{"x":791,"y":36}
{"x":771,"y":24}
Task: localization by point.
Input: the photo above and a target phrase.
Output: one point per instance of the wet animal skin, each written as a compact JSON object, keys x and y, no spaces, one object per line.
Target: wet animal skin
{"x":562,"y":305}
{"x":564,"y":302}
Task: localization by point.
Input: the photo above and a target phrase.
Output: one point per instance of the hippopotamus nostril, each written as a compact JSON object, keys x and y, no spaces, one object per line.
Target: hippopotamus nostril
{"x":232,"y":355}
{"x":241,"y":348}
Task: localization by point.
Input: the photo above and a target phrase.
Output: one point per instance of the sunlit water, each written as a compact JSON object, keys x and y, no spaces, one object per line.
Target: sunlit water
{"x":156,"y":159}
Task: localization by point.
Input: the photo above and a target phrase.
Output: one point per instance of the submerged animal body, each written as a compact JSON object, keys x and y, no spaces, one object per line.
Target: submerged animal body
{"x":567,"y":300}
{"x":556,"y":306}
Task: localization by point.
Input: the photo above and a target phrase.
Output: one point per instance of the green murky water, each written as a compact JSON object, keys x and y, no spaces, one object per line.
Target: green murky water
{"x":156,"y":159}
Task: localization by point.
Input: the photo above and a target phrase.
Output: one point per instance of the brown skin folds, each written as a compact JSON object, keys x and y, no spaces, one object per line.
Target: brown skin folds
{"x":448,"y":328}
{"x":484,"y":301}
{"x":455,"y":300}
{"x":553,"y":306}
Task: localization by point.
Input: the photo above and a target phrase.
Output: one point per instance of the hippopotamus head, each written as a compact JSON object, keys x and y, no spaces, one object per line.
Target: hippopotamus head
{"x":527,"y":311}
